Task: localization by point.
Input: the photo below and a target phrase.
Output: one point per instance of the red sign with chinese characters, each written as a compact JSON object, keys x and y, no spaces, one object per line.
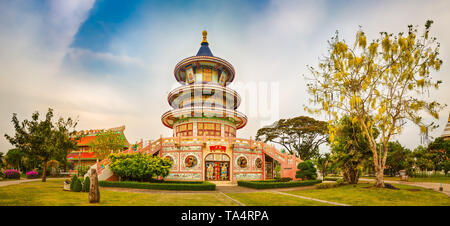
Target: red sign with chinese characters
{"x":217,"y":147}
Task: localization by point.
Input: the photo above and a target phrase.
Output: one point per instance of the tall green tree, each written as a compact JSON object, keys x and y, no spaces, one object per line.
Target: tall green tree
{"x":381,"y":83}
{"x":324,"y":163}
{"x":398,"y":158}
{"x":306,"y":170}
{"x":107,"y":142}
{"x":301,"y":135}
{"x":14,"y":158}
{"x":350,"y":148}
{"x":423,"y":158}
{"x":43,"y":138}
{"x":440,"y":149}
{"x":2,"y":160}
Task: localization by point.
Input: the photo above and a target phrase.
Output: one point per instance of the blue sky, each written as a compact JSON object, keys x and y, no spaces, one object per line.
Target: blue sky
{"x":110,"y":62}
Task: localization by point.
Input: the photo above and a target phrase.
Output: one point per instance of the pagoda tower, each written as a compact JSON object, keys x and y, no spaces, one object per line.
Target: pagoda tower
{"x":446,"y":133}
{"x":204,"y":105}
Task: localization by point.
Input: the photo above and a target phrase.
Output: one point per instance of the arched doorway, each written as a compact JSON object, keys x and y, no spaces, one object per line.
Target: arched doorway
{"x":217,"y":167}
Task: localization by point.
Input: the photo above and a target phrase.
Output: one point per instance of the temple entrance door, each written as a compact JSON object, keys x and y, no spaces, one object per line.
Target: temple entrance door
{"x":269,"y":170}
{"x":217,"y":167}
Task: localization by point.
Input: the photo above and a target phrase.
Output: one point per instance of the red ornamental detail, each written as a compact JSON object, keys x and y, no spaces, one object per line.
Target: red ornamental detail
{"x":218,"y":147}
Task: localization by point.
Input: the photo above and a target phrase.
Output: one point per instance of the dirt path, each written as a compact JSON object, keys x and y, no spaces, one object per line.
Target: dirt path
{"x":429,"y":185}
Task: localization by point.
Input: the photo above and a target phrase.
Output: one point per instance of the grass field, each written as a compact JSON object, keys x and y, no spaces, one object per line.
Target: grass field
{"x":445,"y":180}
{"x":364,"y":194}
{"x":271,"y":199}
{"x":50,"y":193}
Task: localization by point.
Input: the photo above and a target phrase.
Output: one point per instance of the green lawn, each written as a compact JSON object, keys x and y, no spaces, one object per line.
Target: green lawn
{"x":445,"y":180}
{"x":271,"y":199}
{"x":50,"y":193}
{"x":365,"y":194}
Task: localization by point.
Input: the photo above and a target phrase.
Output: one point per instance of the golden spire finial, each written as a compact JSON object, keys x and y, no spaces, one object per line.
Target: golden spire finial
{"x":204,"y":36}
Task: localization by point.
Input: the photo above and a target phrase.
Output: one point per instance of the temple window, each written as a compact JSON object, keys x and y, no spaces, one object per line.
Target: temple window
{"x":230,"y":131}
{"x":207,"y":76}
{"x":208,"y":129}
{"x":184,"y":130}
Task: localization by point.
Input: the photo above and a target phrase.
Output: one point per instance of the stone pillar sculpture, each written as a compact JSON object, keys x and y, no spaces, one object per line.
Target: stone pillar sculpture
{"x":94,"y":192}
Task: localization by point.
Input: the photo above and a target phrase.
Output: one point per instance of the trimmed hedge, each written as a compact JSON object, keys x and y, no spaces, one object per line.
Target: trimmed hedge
{"x":172,"y":185}
{"x":273,"y":184}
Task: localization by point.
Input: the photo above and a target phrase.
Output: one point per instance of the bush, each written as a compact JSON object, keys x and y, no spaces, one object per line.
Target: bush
{"x":306,"y":170}
{"x":12,"y":174}
{"x":82,"y":170}
{"x":32,"y":174}
{"x":86,"y":184}
{"x":340,"y":182}
{"x":139,"y":167}
{"x":2,"y":175}
{"x":72,"y":183}
{"x":331,"y":178}
{"x":77,"y":186}
{"x":274,"y":184}
{"x":200,"y":186}
{"x":326,"y":185}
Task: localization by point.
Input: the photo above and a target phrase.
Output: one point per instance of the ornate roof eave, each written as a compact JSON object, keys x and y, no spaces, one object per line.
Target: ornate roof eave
{"x":194,"y":59}
{"x":176,"y":92}
{"x":192,"y":112}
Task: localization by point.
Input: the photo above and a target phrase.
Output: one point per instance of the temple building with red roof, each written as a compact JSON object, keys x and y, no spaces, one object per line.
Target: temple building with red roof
{"x":83,"y":156}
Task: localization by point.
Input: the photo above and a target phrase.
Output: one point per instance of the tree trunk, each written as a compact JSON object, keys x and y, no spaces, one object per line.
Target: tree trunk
{"x":379,"y":177}
{"x":94,"y":192}
{"x":44,"y":173}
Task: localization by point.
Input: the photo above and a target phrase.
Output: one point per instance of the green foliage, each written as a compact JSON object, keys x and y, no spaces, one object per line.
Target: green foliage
{"x":398,"y":158}
{"x":86,"y":184}
{"x":301,"y":135}
{"x":445,"y":166}
{"x":350,"y":148}
{"x":326,"y":185}
{"x":423,"y":158}
{"x":283,"y":179}
{"x":274,"y":184}
{"x":331,"y":178}
{"x":139,"y":167}
{"x":82,"y":170}
{"x":14,"y":157}
{"x":440,"y":150}
{"x":277,"y":171}
{"x":324,"y":163}
{"x":179,"y":185}
{"x":107,"y":142}
{"x":43,"y":138}
{"x":340,"y":182}
{"x":77,"y":186}
{"x":306,"y":170}
{"x":72,"y":182}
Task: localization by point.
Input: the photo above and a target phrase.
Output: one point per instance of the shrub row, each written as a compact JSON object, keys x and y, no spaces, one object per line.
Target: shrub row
{"x":11,"y":174}
{"x":200,"y":186}
{"x":274,"y":184}
{"x":80,"y":185}
{"x":339,"y":182}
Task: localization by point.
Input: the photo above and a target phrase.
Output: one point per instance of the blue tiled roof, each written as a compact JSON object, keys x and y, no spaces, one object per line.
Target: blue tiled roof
{"x":204,"y":50}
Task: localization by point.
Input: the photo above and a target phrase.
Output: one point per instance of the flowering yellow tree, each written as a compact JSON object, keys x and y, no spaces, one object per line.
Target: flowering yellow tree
{"x":381,"y":84}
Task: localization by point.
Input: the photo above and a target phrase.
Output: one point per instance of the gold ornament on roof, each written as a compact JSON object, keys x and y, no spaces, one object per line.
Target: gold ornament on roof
{"x":204,"y":33}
